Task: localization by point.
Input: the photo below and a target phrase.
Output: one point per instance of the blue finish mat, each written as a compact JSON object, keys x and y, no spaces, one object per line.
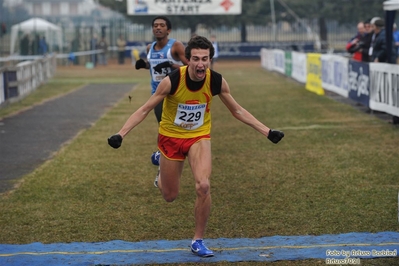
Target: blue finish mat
{"x":342,"y":249}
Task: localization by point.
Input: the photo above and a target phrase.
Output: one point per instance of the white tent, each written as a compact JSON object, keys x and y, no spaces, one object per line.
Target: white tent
{"x":52,"y":32}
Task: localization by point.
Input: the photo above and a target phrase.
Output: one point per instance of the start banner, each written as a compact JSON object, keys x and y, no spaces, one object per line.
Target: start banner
{"x":183,"y":7}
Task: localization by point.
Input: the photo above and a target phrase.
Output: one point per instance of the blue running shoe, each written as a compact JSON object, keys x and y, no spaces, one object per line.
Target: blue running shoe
{"x":155,"y":158}
{"x":198,"y":247}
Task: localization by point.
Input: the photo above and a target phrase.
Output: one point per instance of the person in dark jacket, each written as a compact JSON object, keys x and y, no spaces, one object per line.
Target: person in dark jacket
{"x":365,"y":41}
{"x":43,"y":47}
{"x":379,"y":44}
{"x":24,"y":45}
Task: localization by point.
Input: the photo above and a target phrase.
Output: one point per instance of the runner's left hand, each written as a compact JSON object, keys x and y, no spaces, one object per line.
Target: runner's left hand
{"x":158,"y":68}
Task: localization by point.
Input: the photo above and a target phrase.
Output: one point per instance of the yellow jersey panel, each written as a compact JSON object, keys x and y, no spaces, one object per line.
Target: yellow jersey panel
{"x":186,"y":113}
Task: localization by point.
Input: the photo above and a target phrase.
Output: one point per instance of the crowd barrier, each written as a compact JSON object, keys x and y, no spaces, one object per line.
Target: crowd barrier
{"x":226,"y":50}
{"x":375,"y":85}
{"x":19,"y":80}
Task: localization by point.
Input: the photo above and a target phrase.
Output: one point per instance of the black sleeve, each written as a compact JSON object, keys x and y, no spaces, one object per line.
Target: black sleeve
{"x":174,"y":77}
{"x":216,"y":83}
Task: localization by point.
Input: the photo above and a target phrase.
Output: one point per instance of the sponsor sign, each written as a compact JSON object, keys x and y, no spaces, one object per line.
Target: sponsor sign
{"x":334,"y":74}
{"x":359,"y":82}
{"x":384,"y":88}
{"x":313,"y":80}
{"x":288,"y":63}
{"x":279,"y":61}
{"x":299,"y":71}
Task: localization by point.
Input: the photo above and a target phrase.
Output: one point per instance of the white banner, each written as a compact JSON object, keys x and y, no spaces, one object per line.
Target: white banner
{"x":183,"y":7}
{"x":384,"y":88}
{"x":299,"y":65}
{"x":266,"y":58}
{"x":335,"y":74}
{"x":279,"y":61}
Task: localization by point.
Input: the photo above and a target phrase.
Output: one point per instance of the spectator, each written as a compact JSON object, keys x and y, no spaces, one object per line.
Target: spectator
{"x":379,"y":45}
{"x":35,"y":45}
{"x":354,"y":46}
{"x":396,"y":39}
{"x":93,"y":46}
{"x":102,"y":57}
{"x":395,"y":119}
{"x":372,"y":38}
{"x":121,"y":43}
{"x":135,"y":55}
{"x":75,"y":43}
{"x":43,"y":47}
{"x":24,"y":45}
{"x":366,"y":40}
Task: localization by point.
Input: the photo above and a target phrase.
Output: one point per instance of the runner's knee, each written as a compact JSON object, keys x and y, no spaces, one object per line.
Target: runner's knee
{"x":203,"y":188}
{"x":169,"y":197}
{"x":169,"y":194}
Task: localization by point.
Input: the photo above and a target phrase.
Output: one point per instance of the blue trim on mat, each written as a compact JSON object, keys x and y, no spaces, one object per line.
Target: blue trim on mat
{"x":356,"y":245}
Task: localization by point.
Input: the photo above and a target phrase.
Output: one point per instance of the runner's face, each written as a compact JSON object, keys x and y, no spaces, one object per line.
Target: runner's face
{"x":198,"y":64}
{"x":160,"y":29}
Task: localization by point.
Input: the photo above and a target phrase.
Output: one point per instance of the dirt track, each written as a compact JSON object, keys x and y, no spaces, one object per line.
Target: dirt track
{"x":31,"y":137}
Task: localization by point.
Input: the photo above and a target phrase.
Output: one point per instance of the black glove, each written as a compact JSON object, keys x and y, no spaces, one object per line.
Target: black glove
{"x":115,"y":141}
{"x":158,"y":68}
{"x":275,"y":136}
{"x":140,"y":64}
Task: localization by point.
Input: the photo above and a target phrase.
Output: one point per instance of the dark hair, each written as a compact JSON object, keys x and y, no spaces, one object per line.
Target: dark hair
{"x":168,"y":23}
{"x":379,"y":23}
{"x":199,"y":42}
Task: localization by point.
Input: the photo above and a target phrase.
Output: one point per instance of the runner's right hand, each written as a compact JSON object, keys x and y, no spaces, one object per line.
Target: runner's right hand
{"x":140,"y":64}
{"x":115,"y":141}
{"x":275,"y":136}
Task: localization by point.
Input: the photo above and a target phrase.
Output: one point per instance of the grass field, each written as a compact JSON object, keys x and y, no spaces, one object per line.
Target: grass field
{"x":336,"y":170}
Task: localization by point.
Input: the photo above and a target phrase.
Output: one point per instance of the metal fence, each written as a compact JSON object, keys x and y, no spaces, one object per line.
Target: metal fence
{"x":18,"y":81}
{"x":77,"y":35}
{"x":77,"y":39}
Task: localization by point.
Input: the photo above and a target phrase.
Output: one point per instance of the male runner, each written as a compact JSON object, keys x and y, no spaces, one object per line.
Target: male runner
{"x":184,"y":130}
{"x":163,"y":55}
